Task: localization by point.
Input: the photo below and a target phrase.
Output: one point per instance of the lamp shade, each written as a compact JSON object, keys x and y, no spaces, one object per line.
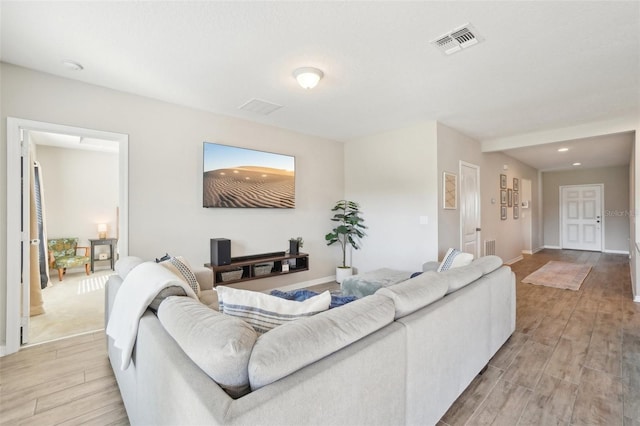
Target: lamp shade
{"x":308,"y":77}
{"x":102,"y":230}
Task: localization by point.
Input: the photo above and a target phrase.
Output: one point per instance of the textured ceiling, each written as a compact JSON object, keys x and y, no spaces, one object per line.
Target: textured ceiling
{"x":542,"y":65}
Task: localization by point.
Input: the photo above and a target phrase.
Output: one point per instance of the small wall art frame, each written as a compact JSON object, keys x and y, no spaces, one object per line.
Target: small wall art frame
{"x":449,"y":191}
{"x":516,"y":184}
{"x":516,"y":212}
{"x":503,"y":196}
{"x":509,"y":197}
{"x":503,"y":212}
{"x":503,"y":181}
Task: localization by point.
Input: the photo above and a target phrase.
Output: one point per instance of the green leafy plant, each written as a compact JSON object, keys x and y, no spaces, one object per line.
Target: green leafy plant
{"x":350,"y":228}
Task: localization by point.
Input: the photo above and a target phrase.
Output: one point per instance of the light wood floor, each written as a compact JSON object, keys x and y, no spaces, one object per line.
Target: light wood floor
{"x":574,"y":359}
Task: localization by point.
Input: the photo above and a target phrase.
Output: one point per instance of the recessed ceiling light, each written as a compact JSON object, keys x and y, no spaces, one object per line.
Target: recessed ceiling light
{"x":563,"y":149}
{"x":577,"y":164}
{"x":74,"y":66}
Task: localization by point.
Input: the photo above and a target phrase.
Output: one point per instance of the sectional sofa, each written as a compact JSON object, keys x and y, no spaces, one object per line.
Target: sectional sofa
{"x":400,"y":356}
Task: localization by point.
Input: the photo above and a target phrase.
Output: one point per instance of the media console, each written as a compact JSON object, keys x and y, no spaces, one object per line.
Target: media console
{"x":252,"y":267}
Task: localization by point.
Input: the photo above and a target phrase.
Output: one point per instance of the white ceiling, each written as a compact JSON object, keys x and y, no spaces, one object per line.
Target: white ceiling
{"x":542,"y":65}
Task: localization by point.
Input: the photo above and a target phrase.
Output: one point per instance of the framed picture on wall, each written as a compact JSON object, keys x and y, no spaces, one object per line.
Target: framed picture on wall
{"x":449,"y":191}
{"x":509,"y":197}
{"x":516,"y":184}
{"x":516,"y":212}
{"x":503,"y":181}
{"x":503,"y":212}
{"x":503,"y":196}
{"x":516,"y":198}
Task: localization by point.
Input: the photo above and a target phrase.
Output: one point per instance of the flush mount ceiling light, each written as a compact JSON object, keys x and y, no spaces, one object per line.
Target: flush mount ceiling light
{"x":577,"y":164}
{"x":308,"y":77}
{"x":563,"y":149}
{"x":74,"y":66}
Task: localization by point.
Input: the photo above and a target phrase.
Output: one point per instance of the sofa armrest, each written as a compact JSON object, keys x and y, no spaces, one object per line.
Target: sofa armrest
{"x":204,"y":277}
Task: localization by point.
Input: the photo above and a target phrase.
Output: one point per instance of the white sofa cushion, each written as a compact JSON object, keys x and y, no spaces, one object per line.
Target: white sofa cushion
{"x":411,"y":295}
{"x":219,"y":344}
{"x":296,"y":344}
{"x":264,"y":311}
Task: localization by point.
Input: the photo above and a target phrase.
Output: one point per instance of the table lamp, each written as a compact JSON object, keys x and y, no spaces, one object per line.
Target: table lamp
{"x":102,"y":231}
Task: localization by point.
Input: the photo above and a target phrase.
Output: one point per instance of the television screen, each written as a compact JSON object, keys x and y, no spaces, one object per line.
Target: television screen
{"x":240,"y":177}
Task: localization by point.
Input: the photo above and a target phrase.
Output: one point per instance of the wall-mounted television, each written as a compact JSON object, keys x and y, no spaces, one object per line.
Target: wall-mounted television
{"x":243,"y":178}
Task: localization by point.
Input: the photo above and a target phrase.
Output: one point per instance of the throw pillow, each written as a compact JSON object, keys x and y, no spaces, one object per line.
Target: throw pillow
{"x":180,"y":267}
{"x":265,"y":312}
{"x":454,"y":259}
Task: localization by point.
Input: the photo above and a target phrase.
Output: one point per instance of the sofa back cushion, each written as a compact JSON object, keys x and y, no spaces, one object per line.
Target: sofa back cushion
{"x":219,"y":344}
{"x":125,"y":264}
{"x":296,"y":344}
{"x":411,"y":295}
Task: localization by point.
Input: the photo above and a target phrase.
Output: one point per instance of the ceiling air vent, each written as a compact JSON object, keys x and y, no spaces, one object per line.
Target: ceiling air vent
{"x":457,"y":39}
{"x":259,"y":106}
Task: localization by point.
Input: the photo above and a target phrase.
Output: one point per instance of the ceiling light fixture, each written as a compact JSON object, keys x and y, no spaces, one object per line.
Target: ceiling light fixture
{"x":563,"y":149}
{"x":577,"y":164}
{"x":308,"y":77}
{"x":74,"y":66}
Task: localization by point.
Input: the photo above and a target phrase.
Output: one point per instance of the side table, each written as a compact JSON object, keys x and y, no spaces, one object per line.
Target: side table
{"x":111,"y":242}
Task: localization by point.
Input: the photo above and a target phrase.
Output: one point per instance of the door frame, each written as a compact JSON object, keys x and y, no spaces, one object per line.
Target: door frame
{"x":478,"y":206}
{"x":15,"y":151}
{"x":561,"y":207}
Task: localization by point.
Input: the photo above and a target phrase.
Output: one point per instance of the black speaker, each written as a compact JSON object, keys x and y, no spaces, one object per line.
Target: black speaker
{"x":220,"y":251}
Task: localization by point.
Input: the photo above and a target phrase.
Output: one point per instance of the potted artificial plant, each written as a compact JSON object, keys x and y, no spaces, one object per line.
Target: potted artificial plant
{"x":349,"y":230}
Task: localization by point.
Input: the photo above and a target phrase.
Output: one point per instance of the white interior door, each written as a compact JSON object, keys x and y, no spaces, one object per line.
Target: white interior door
{"x":470,"y":208}
{"x":581,"y":217}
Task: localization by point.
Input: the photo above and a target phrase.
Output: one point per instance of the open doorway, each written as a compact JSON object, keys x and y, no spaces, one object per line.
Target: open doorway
{"x":19,"y":236}
{"x":76,"y":202}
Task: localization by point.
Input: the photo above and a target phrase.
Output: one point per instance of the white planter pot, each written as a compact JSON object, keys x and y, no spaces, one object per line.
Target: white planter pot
{"x":342,"y":273}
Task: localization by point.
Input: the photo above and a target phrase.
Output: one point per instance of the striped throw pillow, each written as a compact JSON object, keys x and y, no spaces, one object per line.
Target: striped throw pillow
{"x":454,"y":259}
{"x":263,"y":311}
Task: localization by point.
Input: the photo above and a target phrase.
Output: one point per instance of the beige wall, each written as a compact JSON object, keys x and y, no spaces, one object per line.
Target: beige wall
{"x":615,"y":209}
{"x":81,"y":191}
{"x":165,"y":173}
{"x":393,"y":175}
{"x":512,"y":236}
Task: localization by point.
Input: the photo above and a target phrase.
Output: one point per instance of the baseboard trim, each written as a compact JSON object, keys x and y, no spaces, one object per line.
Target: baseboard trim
{"x":305,"y":284}
{"x":538,"y":249}
{"x":527,"y":252}
{"x":552,"y":247}
{"x":617,"y":252}
{"x":514,"y":260}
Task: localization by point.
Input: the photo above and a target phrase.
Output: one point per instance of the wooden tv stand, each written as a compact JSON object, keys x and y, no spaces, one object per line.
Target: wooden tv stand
{"x":251,"y":270}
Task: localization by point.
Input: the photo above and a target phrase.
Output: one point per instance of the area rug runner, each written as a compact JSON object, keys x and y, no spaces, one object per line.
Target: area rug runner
{"x":559,"y":275}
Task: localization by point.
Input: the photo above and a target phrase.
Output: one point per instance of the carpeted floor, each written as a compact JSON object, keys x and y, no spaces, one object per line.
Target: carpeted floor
{"x":73,"y":306}
{"x":557,"y":274}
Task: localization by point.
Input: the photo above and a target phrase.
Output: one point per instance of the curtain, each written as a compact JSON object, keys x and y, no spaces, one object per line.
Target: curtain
{"x":38,"y":264}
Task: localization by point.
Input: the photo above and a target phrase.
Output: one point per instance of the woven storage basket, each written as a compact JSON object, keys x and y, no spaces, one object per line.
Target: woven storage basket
{"x":231,"y":275}
{"x":263,"y":269}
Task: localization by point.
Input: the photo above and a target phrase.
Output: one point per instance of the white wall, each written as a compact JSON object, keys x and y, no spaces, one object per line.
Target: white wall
{"x":453,"y":147}
{"x":511,"y":239}
{"x":615,"y":209}
{"x":80,"y":191}
{"x":165,"y":173}
{"x":510,"y":235}
{"x":393,"y":175}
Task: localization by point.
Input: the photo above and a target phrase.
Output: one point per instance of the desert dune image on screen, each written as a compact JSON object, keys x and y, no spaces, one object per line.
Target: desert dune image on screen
{"x":239,"y":177}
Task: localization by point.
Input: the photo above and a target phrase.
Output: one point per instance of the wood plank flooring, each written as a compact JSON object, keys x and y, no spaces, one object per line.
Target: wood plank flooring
{"x":573,"y":360}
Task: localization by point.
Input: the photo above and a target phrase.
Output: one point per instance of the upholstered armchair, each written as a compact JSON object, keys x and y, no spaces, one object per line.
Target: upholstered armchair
{"x":63,"y":254}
